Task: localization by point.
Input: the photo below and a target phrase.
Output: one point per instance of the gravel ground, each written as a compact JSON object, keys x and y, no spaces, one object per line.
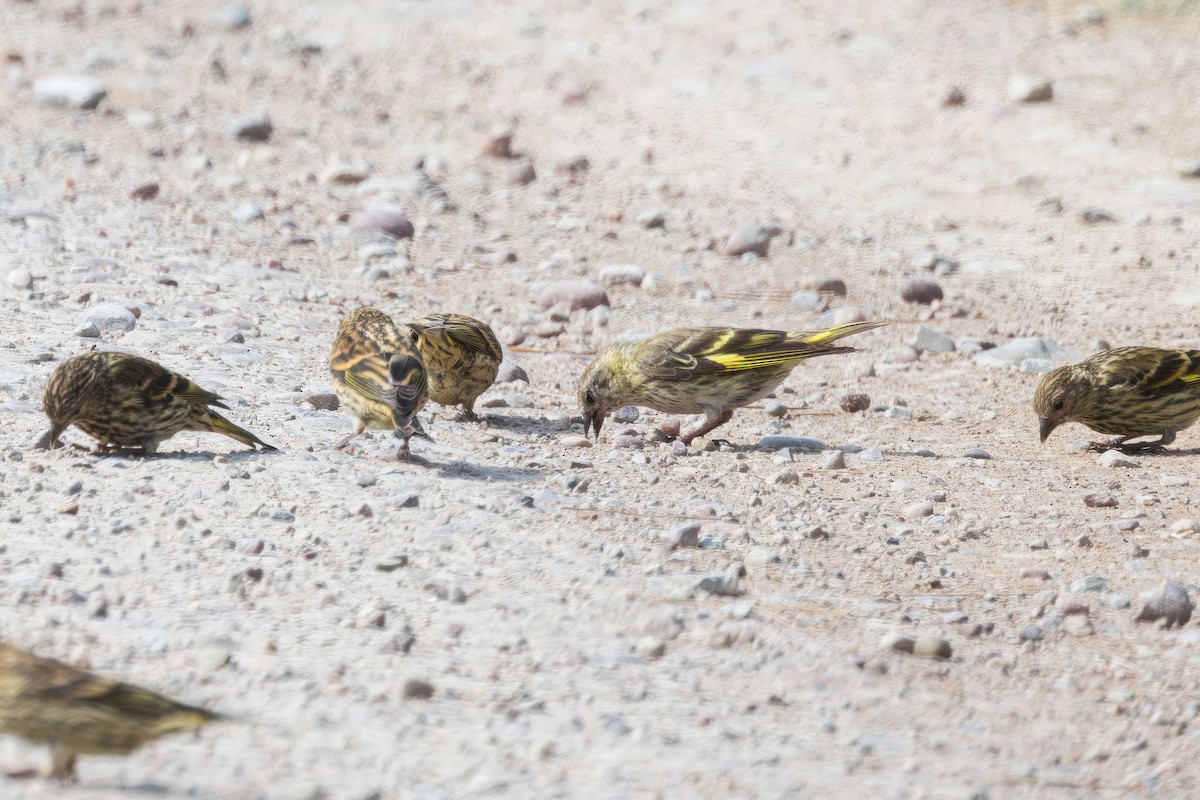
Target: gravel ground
{"x":621,"y":618}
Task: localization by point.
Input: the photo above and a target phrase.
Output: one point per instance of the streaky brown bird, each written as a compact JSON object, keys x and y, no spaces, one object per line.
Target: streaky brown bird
{"x":709,"y":371}
{"x":123,"y":400}
{"x":1127,"y":392}
{"x":379,"y":376}
{"x":78,"y":713}
{"x":462,"y":356}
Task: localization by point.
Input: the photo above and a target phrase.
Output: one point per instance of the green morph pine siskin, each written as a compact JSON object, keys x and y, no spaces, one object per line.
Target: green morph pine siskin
{"x":1128,"y":392}
{"x":462,"y":356}
{"x":78,"y":713}
{"x":123,"y":400}
{"x":708,"y":371}
{"x":379,"y":376}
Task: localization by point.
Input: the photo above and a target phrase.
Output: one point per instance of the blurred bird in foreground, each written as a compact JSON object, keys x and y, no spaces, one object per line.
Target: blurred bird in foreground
{"x":462,"y":356}
{"x":77,"y":713}
{"x":1127,"y":392}
{"x":708,"y":371}
{"x":379,"y":376}
{"x":128,"y":401}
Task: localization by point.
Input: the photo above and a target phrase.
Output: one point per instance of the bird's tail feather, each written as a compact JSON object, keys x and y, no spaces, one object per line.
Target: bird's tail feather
{"x":218,"y":424}
{"x":837,"y":332}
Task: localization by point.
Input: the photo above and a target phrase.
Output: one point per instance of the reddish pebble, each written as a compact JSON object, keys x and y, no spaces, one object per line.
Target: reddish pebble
{"x":147,"y":191}
{"x":576,"y":294}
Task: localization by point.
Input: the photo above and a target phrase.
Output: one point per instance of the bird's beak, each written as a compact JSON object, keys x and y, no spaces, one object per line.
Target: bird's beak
{"x":1046,"y":427}
{"x":49,"y":439}
{"x":593,"y":420}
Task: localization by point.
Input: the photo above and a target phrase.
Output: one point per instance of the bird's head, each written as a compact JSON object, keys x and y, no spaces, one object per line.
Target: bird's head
{"x":1062,"y":396}
{"x":599,"y":392}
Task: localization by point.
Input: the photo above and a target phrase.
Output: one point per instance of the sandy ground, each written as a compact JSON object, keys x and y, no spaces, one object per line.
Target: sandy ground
{"x":524,"y":575}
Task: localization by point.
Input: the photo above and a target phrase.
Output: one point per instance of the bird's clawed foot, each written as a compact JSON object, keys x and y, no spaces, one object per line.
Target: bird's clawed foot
{"x":1123,"y":444}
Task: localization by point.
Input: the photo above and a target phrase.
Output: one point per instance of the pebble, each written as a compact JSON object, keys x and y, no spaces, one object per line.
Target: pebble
{"x":548,"y":329}
{"x":146,"y":191}
{"x":1018,"y":350}
{"x":621,"y":275}
{"x":809,"y":301}
{"x":854,"y":401}
{"x":784,"y":456}
{"x":931,"y":646}
{"x":1186,"y":526}
{"x":247,"y":211}
{"x":978,"y":453}
{"x":1173,"y":480}
{"x":918,"y":511}
{"x":1092,"y":583}
{"x":1188,"y":169}
{"x":774,"y":408}
{"x":898,"y":642}
{"x":499,"y":144}
{"x":1171,"y":603}
{"x":652,"y":218}
{"x":511,"y":372}
{"x":1030,"y":89}
{"x":626,"y":414}
{"x":1100,"y":499}
{"x":686,"y":534}
{"x":723,"y":584}
{"x":339,"y":173}
{"x":386,"y":220}
{"x":931,"y":340}
{"x":760,"y":556}
{"x":779,"y":442}
{"x":1037,"y":366}
{"x":250,"y":128}
{"x":898,"y":412}
{"x":392,"y":563}
{"x":833,"y":459}
{"x":786,"y":477}
{"x":827,"y":285}
{"x":920,"y":290}
{"x":70,"y":91}
{"x":1094,"y":215}
{"x":1031,"y":633}
{"x":106,"y":318}
{"x":748,"y":238}
{"x":576,"y":294}
{"x":234,"y":17}
{"x":521,"y":173}
{"x":418,"y":689}
{"x":281,"y":515}
{"x":1115,"y":458}
{"x":19,"y":278}
{"x":1034,"y":572}
{"x":651,"y":648}
{"x":869,"y":455}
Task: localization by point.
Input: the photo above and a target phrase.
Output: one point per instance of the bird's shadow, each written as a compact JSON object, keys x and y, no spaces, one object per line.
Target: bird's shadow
{"x":518,"y":424}
{"x":477,"y":472}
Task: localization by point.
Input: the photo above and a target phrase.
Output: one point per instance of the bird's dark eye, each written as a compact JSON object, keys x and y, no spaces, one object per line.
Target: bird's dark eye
{"x":1059,"y":405}
{"x":589,"y":398}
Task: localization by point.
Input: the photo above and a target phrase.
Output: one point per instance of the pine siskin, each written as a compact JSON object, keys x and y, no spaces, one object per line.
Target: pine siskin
{"x":379,"y":376}
{"x":76,"y":712}
{"x":128,"y":401}
{"x":708,"y":371}
{"x":462,"y":356}
{"x":1127,"y":392}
